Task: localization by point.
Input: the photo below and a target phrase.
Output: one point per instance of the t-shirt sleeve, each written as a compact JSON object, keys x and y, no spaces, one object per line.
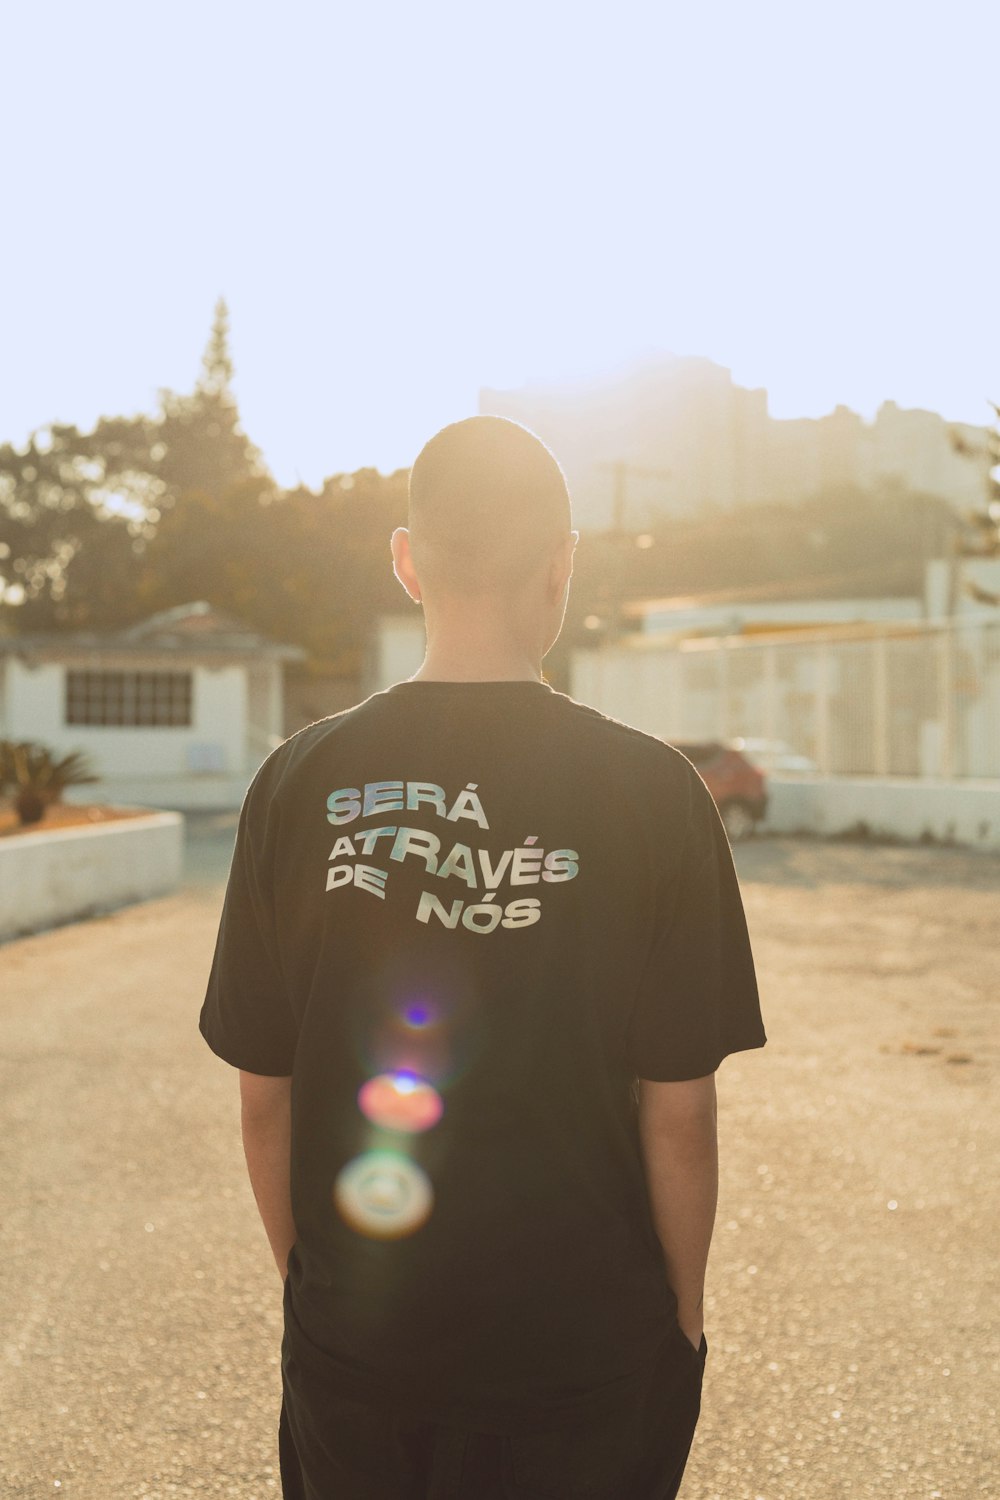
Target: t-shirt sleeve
{"x":246,"y":1017}
{"x":698,"y":999}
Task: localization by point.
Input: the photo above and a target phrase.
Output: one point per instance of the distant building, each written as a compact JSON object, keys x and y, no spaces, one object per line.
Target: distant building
{"x":177,"y":711}
{"x":395,"y":650}
{"x":692,"y":438}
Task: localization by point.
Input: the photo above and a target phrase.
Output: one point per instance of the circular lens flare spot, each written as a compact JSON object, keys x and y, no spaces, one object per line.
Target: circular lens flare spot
{"x":382,"y":1194}
{"x":400,"y":1101}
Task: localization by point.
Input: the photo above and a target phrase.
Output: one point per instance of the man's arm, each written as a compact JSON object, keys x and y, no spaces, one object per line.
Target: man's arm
{"x":678,"y":1132}
{"x":266,"y":1121}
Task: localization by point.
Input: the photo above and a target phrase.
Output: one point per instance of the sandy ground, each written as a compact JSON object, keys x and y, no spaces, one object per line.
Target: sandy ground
{"x":852,"y":1304}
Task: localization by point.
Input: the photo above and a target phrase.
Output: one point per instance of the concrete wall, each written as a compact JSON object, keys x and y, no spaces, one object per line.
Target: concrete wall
{"x":205,"y":792}
{"x":923,"y":701}
{"x":265,"y":707}
{"x":311,"y":696}
{"x":399,"y":649}
{"x":61,"y":875}
{"x":967,"y":812}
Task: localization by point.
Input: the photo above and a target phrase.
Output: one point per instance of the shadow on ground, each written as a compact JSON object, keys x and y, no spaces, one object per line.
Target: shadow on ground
{"x":810,"y":863}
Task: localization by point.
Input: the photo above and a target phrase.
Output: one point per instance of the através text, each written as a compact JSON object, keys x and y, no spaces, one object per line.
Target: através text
{"x":524,"y":865}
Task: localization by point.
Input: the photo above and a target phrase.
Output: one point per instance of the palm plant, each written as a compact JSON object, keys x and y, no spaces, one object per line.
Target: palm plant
{"x":38,"y":777}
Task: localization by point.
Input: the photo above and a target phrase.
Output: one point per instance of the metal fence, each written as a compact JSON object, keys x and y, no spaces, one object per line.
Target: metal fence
{"x":906,"y":699}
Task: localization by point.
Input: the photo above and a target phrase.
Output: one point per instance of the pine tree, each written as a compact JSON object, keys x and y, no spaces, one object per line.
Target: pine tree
{"x":202,"y":445}
{"x":217,"y":362}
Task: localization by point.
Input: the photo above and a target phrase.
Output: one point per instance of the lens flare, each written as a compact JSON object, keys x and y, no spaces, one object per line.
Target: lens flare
{"x":382,"y":1194}
{"x":418,"y":1015}
{"x":412,"y":1035}
{"x":400,"y":1101}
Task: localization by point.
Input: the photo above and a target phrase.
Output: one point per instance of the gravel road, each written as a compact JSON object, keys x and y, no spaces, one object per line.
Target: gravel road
{"x":852,"y":1290}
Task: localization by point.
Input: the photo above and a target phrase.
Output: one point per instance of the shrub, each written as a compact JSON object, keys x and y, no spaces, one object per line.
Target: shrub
{"x":38,"y":777}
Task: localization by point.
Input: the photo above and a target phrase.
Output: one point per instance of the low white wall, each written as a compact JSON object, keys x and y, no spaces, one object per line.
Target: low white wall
{"x":63,"y":874}
{"x":967,"y":812}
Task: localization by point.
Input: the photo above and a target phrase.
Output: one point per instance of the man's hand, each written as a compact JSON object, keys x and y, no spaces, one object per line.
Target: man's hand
{"x":678,"y":1132}
{"x":692,"y":1324}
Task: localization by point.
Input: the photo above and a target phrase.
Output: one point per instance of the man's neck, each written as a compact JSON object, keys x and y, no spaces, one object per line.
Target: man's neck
{"x":459,"y":666}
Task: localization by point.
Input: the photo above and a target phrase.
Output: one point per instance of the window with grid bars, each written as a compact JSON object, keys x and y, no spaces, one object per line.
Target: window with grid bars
{"x":128,"y":699}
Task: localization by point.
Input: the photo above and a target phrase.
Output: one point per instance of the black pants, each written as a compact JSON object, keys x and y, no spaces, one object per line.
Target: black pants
{"x":333,"y":1447}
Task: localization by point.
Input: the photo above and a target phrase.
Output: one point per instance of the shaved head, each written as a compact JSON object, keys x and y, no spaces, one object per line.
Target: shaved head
{"x":488,"y":503}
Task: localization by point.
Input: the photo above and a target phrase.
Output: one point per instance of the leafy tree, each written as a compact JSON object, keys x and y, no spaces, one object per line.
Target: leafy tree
{"x":77,"y":510}
{"x":224,"y":547}
{"x":311,"y":568}
{"x":54,"y":513}
{"x":982,"y":529}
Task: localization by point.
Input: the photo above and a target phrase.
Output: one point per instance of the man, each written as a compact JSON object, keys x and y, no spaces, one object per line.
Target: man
{"x":481,"y":953}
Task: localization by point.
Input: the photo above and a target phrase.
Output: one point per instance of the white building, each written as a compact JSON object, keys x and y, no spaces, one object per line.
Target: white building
{"x":861,"y":687}
{"x":176,"y":712}
{"x":690,"y":438}
{"x":396,"y":649}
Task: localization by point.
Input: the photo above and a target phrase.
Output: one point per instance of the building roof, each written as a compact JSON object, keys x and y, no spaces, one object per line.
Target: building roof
{"x":194,"y":629}
{"x":859,"y":583}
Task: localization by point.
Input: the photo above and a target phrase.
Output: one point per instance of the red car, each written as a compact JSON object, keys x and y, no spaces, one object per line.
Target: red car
{"x":739,"y":788}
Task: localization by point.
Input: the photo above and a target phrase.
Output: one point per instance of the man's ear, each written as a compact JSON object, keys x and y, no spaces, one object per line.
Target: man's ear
{"x":561,"y":567}
{"x":402,"y":563}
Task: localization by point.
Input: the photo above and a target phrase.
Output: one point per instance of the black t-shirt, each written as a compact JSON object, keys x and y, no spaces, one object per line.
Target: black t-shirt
{"x":464,"y":917}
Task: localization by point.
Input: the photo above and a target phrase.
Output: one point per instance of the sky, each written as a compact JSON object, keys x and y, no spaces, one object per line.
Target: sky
{"x":404,"y":203}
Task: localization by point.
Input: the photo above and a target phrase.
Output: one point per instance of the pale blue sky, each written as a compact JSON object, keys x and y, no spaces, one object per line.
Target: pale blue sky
{"x":404,"y":202}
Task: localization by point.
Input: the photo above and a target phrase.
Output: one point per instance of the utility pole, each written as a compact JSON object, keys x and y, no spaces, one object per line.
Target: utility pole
{"x":619,"y":536}
{"x":620,"y":471}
